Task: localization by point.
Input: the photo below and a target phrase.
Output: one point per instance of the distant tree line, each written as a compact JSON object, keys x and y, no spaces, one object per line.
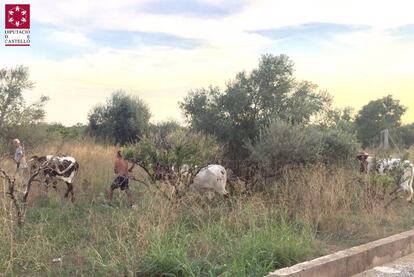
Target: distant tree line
{"x":265,"y":114}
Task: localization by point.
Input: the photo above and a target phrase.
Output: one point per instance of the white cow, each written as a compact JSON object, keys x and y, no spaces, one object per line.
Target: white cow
{"x":389,"y":164}
{"x":211,"y":178}
{"x":406,"y":184}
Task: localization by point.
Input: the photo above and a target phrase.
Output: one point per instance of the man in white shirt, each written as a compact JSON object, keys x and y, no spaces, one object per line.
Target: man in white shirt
{"x":19,"y":156}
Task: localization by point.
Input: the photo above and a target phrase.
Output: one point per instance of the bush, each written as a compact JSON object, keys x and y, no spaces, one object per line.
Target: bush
{"x":175,"y":149}
{"x":406,"y":135}
{"x":285,"y":144}
{"x":338,"y":145}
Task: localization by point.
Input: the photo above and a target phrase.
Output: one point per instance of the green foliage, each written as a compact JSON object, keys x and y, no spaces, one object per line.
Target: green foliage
{"x":173,"y":149}
{"x":76,"y":131}
{"x":386,"y":182}
{"x":262,"y":242}
{"x":338,"y":145}
{"x":122,"y":119}
{"x":406,"y":135}
{"x":251,"y":101}
{"x":340,"y":119}
{"x":285,"y":144}
{"x":92,"y":240}
{"x":391,"y":178}
{"x":14,"y":112}
{"x":167,"y":256}
{"x":31,"y":136}
{"x":377,"y":115}
{"x":160,"y":131}
{"x":397,"y":173}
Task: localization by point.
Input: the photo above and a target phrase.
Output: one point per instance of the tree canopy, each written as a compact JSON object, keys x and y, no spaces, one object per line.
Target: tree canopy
{"x":17,"y":118}
{"x":124,"y":118}
{"x":377,"y":115}
{"x":251,"y":101}
{"x":13,"y":108}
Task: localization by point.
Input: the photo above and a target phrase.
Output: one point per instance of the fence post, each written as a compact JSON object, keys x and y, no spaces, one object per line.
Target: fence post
{"x":384,"y":135}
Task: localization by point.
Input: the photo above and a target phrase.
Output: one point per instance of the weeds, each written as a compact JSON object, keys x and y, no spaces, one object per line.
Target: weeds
{"x":300,"y":215}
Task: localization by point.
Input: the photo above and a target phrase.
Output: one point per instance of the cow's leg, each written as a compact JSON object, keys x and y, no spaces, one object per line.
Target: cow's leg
{"x":44,"y":188}
{"x":410,"y":196}
{"x":396,"y":191}
{"x":54,"y":185}
{"x":70,"y":190}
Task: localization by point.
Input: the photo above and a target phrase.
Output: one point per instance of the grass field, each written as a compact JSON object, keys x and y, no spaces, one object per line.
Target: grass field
{"x":307,"y":213}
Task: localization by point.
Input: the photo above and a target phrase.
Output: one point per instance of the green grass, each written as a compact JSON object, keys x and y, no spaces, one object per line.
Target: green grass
{"x":158,"y":239}
{"x":309,"y":211}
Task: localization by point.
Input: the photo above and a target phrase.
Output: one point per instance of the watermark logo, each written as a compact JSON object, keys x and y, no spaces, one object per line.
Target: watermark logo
{"x":17,"y":25}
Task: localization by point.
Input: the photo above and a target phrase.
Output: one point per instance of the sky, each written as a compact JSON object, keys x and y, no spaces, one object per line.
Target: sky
{"x":83,"y":50}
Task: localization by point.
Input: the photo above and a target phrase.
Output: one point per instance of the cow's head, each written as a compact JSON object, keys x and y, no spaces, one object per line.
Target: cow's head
{"x":35,"y":162}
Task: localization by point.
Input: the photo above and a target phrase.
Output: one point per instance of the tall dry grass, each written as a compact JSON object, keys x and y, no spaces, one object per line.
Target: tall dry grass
{"x":340,"y":204}
{"x":300,"y":215}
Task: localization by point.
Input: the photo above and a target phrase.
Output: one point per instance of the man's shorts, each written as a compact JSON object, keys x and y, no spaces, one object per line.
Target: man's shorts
{"x":120,"y":182}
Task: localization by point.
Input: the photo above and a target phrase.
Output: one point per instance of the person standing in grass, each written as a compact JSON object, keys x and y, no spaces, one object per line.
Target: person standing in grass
{"x":19,"y":157}
{"x":22,"y":171}
{"x":122,"y":179}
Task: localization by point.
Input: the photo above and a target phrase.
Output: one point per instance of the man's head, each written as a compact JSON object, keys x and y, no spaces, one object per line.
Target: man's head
{"x":119,"y":154}
{"x":16,"y":142}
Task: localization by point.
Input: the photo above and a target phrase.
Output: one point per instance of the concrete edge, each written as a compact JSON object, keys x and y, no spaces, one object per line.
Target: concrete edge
{"x":353,"y":260}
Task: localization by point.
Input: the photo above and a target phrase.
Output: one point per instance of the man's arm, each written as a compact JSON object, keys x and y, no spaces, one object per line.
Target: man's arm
{"x":115,"y":167}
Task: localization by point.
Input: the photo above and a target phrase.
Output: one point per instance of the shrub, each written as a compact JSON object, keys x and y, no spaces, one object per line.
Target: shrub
{"x":175,"y":149}
{"x":284,"y":144}
{"x":406,"y":135}
{"x":338,"y":145}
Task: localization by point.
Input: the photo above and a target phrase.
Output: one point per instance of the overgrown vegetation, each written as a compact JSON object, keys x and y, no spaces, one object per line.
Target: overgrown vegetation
{"x":162,"y":150}
{"x":300,"y":217}
{"x":283,"y":144}
{"x":295,"y":193}
{"x":251,"y":101}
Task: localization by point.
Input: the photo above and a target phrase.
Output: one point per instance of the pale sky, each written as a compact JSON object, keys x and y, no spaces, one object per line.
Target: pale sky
{"x":81,"y":51}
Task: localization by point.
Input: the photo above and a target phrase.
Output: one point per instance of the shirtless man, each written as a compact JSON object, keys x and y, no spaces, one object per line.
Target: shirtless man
{"x":121,"y":179}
